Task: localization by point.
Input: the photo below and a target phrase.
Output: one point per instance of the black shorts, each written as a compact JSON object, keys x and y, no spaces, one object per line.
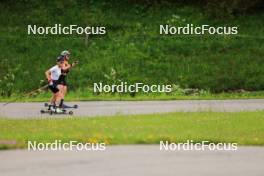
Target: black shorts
{"x":62,"y":80}
{"x":54,"y":87}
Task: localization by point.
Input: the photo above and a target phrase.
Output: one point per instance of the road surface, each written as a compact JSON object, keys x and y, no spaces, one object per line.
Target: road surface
{"x":108,"y":108}
{"x":140,"y":160}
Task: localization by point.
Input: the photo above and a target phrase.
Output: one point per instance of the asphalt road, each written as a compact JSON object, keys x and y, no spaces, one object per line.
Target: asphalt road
{"x":108,"y":108}
{"x":145,"y":160}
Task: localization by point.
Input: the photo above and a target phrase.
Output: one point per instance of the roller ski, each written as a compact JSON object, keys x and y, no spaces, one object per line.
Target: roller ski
{"x":64,"y":106}
{"x":56,"y":110}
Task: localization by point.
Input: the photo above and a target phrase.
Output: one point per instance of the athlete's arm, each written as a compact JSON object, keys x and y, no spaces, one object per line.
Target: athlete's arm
{"x":48,"y":75}
{"x":68,"y":66}
{"x":74,"y":63}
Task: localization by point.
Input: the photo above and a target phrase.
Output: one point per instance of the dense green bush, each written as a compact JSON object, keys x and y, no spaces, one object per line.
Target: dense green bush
{"x":227,"y":8}
{"x":216,"y":8}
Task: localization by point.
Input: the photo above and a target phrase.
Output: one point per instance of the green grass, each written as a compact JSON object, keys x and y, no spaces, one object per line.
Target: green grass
{"x":244,"y":128}
{"x":132,"y":46}
{"x":83,"y":95}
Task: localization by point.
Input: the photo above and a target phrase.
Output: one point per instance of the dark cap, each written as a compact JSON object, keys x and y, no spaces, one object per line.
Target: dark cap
{"x":60,"y":58}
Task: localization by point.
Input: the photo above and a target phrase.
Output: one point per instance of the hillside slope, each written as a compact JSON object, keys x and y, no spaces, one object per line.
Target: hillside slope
{"x":132,"y":46}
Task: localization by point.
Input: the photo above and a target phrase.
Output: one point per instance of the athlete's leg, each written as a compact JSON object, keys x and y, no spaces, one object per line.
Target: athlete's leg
{"x":63,"y":89}
{"x":53,"y":99}
{"x":58,"y":100}
{"x":59,"y":96}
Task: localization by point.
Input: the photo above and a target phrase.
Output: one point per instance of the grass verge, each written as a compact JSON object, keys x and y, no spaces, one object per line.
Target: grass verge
{"x":83,"y":95}
{"x":244,"y":128}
